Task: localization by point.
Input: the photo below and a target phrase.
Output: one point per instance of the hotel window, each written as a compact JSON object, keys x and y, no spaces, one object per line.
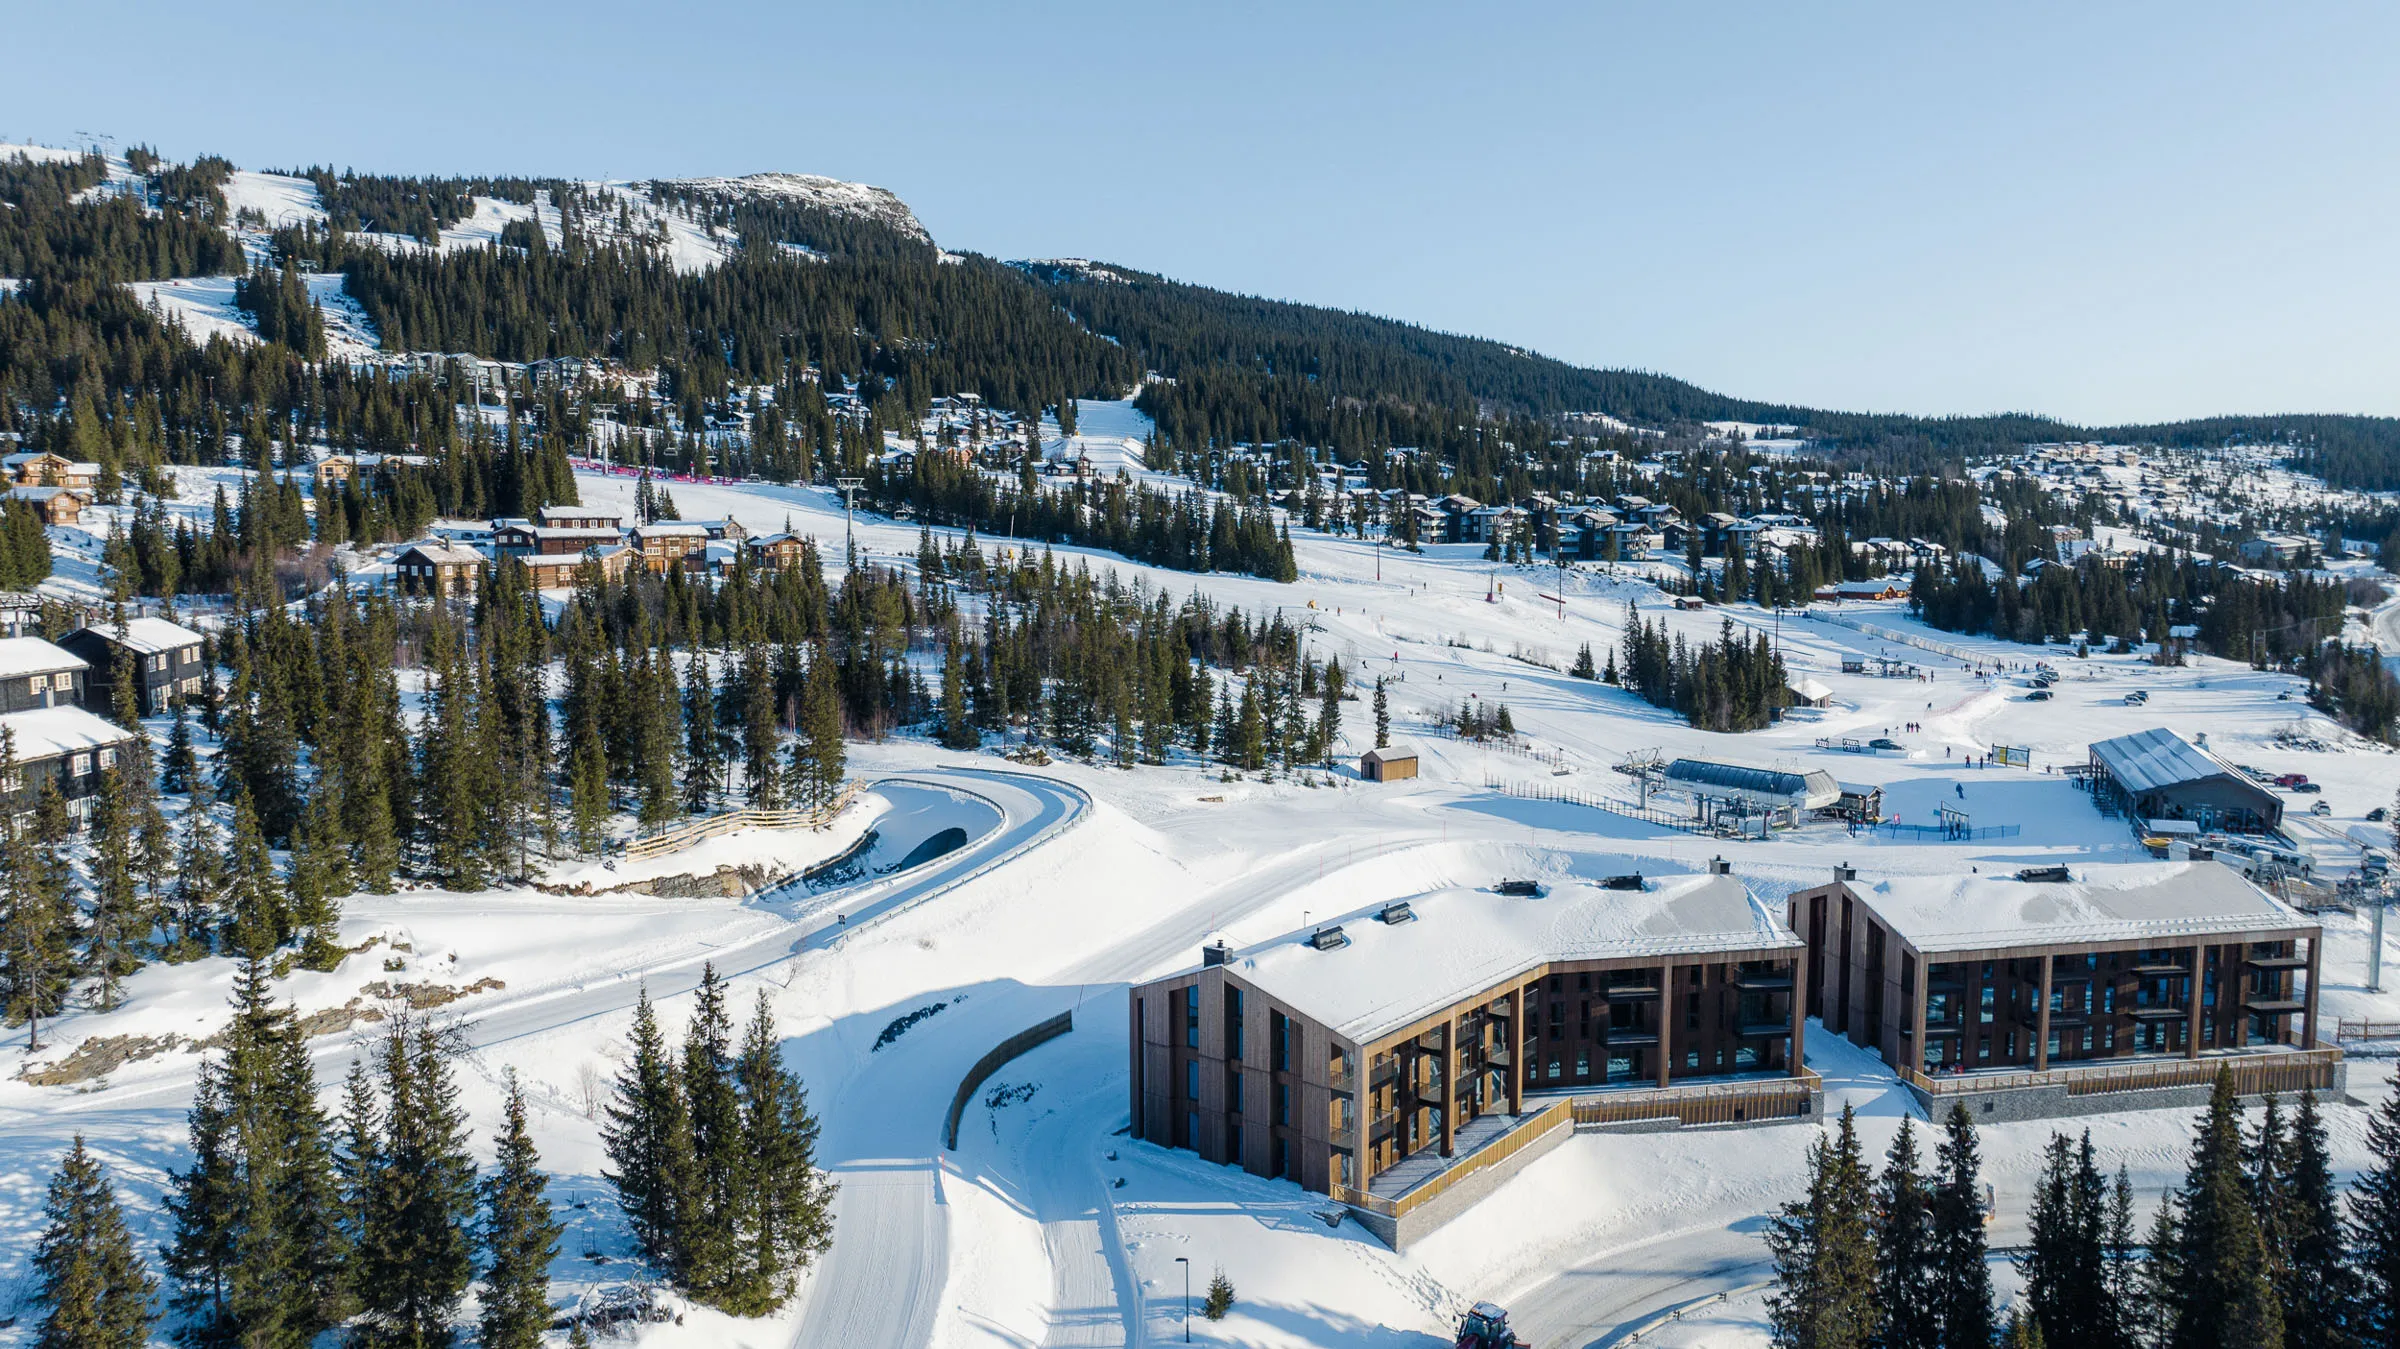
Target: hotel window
{"x":1233,"y":1086}
{"x":79,"y":765}
{"x":1583,"y":1061}
{"x":1691,"y":1012}
{"x":39,"y":683}
{"x":1283,"y":1103}
{"x":1191,"y":1016}
{"x":1987,"y":1005}
{"x":1233,"y":1023}
{"x":63,"y":680}
{"x":1280,"y":1027}
{"x":1552,"y":1070}
{"x":1191,"y":1079}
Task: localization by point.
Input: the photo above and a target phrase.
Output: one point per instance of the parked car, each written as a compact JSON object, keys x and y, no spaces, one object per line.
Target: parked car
{"x":2290,"y":779}
{"x":2307,"y":788}
{"x":1885,"y":742}
{"x":2137,"y":697}
{"x":2377,"y":814}
{"x":2321,"y":808}
{"x":2038,"y":696}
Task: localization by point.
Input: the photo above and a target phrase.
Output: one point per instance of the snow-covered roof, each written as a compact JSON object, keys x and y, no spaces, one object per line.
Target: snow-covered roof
{"x":49,"y":732}
{"x":444,"y":554}
{"x":1460,"y":942}
{"x":2136,"y":901}
{"x":20,"y":656}
{"x":1809,"y":790}
{"x":2147,"y":760}
{"x":149,"y":636}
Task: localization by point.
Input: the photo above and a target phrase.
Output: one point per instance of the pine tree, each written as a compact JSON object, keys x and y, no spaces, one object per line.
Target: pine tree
{"x":1904,"y":1247}
{"x":1383,"y":717}
{"x":199,"y":876}
{"x":88,"y":1280}
{"x":519,"y":1235}
{"x":2226,"y":1298}
{"x":1962,"y":1281}
{"x":2127,"y":1316}
{"x":1824,"y":1251}
{"x":2375,"y":1228}
{"x":648,"y":1139}
{"x":700,"y":767}
{"x":958,"y":731}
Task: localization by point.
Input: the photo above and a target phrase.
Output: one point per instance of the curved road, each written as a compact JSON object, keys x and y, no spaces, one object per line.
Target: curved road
{"x":859,"y":1300}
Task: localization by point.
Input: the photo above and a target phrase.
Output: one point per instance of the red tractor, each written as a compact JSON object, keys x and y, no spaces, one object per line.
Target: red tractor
{"x":1485,"y":1326}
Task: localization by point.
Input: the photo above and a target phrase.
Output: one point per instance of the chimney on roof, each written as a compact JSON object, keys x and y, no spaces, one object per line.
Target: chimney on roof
{"x":1718,"y":866}
{"x":1216,"y":953}
{"x":1845,"y":872}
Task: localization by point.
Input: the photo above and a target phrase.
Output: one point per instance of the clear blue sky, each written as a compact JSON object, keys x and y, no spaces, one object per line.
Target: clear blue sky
{"x":2113,"y":212}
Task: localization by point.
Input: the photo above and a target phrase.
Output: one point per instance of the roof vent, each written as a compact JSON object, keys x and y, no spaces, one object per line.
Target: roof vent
{"x":1845,"y":872}
{"x":1718,"y":866}
{"x":1397,"y":912}
{"x":1328,"y":938}
{"x":1216,"y":953}
{"x":2045,"y":875}
{"x":1520,"y":889}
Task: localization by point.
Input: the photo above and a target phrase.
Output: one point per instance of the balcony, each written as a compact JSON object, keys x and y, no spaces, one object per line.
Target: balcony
{"x":1631,"y":992}
{"x":1340,"y":1081}
{"x":2269,"y":1003}
{"x":1495,"y":1058}
{"x":2164,"y":967}
{"x":1764,"y":1030}
{"x":1385,"y":1072}
{"x":2156,"y":1012}
{"x":2277,"y":962}
{"x":1763,"y":981}
{"x":1631,"y":1039}
{"x":1381,"y":1125}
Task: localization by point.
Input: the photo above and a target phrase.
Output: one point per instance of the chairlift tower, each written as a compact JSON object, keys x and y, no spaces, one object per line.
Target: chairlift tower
{"x":847,"y":487}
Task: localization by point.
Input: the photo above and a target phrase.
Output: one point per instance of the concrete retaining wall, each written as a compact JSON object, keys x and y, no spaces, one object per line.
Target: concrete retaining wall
{"x":990,"y":1063}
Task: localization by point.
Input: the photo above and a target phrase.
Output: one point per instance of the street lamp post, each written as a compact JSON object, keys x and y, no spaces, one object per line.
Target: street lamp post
{"x":1186,"y":1262}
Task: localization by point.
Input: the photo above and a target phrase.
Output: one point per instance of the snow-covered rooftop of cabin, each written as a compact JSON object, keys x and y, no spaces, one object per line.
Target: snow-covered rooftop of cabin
{"x":49,"y":732}
{"x":1462,"y":941}
{"x":150,"y":636}
{"x":2136,"y":901}
{"x":20,"y":656}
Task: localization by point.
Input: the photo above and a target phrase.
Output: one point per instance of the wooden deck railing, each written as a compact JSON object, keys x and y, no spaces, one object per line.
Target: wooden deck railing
{"x":2253,"y":1075}
{"x":2347,"y":1029}
{"x":692,"y":831}
{"x":1704,"y":1103}
{"x":1534,"y":1128}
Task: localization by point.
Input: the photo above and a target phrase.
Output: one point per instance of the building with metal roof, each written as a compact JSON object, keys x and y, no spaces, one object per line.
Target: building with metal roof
{"x":1769,"y":790}
{"x":2157,"y":774}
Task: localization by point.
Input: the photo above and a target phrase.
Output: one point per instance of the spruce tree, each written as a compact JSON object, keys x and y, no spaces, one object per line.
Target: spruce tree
{"x":2320,"y":1289}
{"x":1824,"y":1251}
{"x":710,"y":1194}
{"x":2375,"y":1228}
{"x":414,"y":1257}
{"x":36,"y":955}
{"x":1904,"y":1247}
{"x":1962,"y":1281}
{"x":1383,"y":717}
{"x":2226,"y":1298}
{"x":118,"y":922}
{"x":87,"y":1278}
{"x":520,"y":1237}
{"x":648,"y":1139}
{"x":818,"y":759}
{"x":788,"y":1206}
{"x":257,"y":1254}
{"x":2062,"y":1263}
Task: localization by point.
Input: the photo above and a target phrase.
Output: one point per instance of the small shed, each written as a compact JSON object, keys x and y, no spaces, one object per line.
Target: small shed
{"x":1390,"y":764}
{"x":1811,"y":693}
